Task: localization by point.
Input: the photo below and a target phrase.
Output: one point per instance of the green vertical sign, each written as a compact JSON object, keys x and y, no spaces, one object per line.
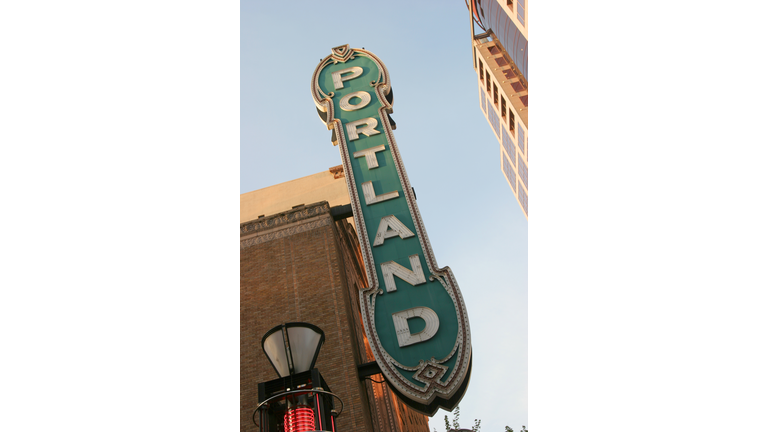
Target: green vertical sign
{"x":413,"y":312}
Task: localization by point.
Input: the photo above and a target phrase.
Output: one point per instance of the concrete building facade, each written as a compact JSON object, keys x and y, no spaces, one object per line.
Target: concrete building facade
{"x":303,"y":263}
{"x":500,"y":57}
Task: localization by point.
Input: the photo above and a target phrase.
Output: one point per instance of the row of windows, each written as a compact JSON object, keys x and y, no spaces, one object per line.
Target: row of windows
{"x":494,"y":119}
{"x":492,"y":114}
{"x":507,"y":114}
{"x":516,"y":161}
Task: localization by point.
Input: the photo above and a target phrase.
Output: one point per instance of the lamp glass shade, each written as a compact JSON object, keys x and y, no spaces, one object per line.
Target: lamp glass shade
{"x":305,"y":343}
{"x":274,"y":347}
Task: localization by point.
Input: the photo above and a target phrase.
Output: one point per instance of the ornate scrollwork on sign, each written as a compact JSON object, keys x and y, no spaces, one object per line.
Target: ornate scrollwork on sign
{"x":341,"y":53}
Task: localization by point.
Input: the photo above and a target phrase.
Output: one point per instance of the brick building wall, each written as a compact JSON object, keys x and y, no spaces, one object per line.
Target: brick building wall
{"x":301,"y":265}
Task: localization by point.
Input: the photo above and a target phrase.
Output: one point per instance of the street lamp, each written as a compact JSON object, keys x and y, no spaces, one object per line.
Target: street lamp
{"x":293,"y":347}
{"x":299,"y":400}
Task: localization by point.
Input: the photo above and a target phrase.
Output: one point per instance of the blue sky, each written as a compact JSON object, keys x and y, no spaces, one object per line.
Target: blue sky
{"x":451,"y":155}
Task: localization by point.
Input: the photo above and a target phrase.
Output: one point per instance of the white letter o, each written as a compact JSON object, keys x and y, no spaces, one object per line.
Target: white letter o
{"x":365,"y":99}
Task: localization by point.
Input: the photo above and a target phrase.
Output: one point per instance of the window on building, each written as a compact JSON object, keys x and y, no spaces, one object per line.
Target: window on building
{"x":495,"y":95}
{"x":504,"y":109}
{"x":487,"y":82}
{"x":521,"y":11}
{"x":522,"y":168}
{"x":511,"y":121}
{"x":509,"y":145}
{"x":481,"y":69}
{"x":493,"y":118}
{"x":509,"y":174}
{"x":521,"y":139}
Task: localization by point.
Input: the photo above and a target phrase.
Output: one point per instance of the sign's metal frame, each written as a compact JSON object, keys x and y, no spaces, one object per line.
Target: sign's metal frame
{"x":438,"y":391}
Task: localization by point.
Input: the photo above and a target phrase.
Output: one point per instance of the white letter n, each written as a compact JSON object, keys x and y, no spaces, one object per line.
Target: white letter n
{"x":414,"y":277}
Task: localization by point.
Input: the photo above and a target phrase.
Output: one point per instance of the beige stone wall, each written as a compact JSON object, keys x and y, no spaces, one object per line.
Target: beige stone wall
{"x":328,"y":185}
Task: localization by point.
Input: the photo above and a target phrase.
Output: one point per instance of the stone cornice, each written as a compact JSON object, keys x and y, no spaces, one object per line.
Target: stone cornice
{"x":298,"y":219}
